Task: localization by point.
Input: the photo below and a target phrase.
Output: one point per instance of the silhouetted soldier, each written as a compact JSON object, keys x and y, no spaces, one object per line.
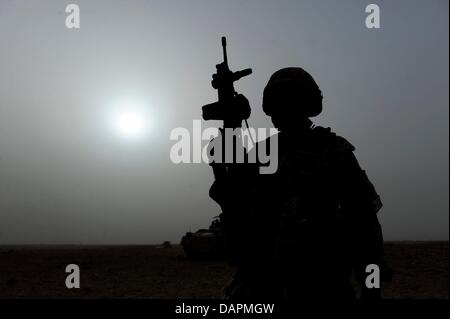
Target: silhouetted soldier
{"x":299,"y":233}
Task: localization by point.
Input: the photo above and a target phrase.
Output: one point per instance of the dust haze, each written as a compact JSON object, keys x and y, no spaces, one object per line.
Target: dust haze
{"x":66,"y":177}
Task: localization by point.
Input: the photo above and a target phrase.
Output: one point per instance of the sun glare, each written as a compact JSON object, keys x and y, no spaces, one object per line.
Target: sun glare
{"x":130,"y":124}
{"x":130,"y":119}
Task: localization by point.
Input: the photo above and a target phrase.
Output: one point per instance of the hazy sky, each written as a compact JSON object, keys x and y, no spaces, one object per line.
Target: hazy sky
{"x":67,"y":174}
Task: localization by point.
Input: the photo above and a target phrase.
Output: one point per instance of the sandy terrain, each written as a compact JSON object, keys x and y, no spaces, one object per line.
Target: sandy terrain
{"x":421,"y":271}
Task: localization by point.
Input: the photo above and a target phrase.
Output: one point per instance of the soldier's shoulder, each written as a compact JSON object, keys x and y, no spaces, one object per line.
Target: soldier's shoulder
{"x":334,"y":142}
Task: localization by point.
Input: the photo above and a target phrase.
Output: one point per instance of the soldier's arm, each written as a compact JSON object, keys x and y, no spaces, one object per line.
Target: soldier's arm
{"x":231,"y":181}
{"x":233,"y":189}
{"x":359,"y":205}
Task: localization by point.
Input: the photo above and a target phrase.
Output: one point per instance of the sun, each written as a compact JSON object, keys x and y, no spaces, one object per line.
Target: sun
{"x":130,"y":124}
{"x":130,"y":118}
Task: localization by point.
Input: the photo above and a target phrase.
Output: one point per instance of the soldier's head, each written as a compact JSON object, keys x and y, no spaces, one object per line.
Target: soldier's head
{"x":291,"y":97}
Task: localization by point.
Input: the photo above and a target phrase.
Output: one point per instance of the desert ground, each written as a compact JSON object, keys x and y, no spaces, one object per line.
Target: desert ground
{"x":420,"y":272}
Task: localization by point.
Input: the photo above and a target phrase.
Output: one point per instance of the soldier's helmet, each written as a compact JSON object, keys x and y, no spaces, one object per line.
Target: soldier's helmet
{"x":292,"y":93}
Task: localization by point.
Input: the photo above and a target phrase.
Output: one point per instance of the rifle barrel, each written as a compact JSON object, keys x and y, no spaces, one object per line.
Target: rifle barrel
{"x":224,"y":46}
